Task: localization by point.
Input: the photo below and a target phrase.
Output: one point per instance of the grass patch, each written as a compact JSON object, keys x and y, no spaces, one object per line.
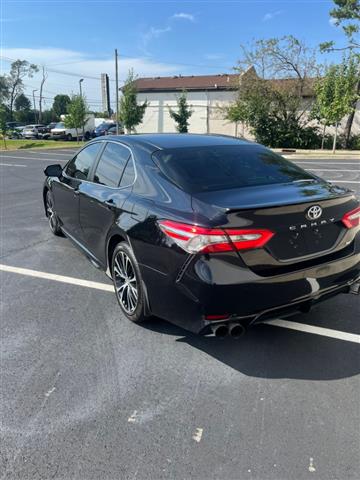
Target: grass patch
{"x":25,"y":144}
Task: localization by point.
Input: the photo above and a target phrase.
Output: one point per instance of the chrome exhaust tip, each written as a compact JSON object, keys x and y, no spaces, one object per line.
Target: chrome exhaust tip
{"x":220,"y":331}
{"x":236,"y":330}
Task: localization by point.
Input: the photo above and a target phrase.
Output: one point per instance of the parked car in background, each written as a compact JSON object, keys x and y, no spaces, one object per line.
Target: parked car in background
{"x":13,"y":125}
{"x":49,"y":127}
{"x":16,"y":133}
{"x":112,"y":130}
{"x":34,"y":131}
{"x":209,"y":232}
{"x":103,"y":128}
{"x":60,"y":132}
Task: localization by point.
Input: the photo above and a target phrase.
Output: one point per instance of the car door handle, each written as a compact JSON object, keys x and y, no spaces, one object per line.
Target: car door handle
{"x":76,"y":192}
{"x":110,"y":203}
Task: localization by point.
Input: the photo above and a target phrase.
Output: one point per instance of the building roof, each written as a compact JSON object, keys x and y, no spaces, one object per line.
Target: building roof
{"x":222,"y":81}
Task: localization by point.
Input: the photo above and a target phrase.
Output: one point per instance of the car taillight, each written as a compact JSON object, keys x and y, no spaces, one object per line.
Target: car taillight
{"x":352,"y":219}
{"x":194,"y":239}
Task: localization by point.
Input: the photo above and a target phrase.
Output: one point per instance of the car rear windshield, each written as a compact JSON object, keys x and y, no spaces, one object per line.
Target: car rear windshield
{"x":200,"y":169}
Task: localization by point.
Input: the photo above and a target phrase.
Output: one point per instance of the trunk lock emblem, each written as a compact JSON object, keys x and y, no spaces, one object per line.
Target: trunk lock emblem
{"x":314,"y":212}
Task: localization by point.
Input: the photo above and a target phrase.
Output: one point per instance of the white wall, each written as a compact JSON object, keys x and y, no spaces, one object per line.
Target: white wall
{"x":205,"y":105}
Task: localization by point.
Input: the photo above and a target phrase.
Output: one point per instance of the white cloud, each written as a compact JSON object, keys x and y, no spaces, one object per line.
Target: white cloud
{"x":332,"y":22}
{"x":271,"y":15}
{"x":78,"y":65}
{"x":184,"y":16}
{"x":151,"y":34}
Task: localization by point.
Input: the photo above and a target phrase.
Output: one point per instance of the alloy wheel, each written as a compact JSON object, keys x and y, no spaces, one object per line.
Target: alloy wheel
{"x":125,"y":282}
{"x":50,"y":213}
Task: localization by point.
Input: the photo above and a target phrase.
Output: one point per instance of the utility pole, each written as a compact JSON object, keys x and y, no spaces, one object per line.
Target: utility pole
{"x":34,"y":105}
{"x":117,"y":91}
{"x":80,"y":82}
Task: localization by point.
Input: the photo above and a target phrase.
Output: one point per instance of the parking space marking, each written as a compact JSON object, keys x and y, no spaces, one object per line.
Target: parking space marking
{"x":327,"y":163}
{"x":57,"y":278}
{"x":31,"y":158}
{"x":331,"y":180}
{"x":52,"y":153}
{"x":330,"y":170}
{"x":11,"y":165}
{"x":324,"y":332}
{"x":301,"y":327}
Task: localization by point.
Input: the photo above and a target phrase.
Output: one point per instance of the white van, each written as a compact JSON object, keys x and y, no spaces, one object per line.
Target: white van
{"x":60,"y":132}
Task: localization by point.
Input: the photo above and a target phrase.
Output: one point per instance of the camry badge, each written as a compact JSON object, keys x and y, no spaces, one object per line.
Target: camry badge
{"x":314,"y":212}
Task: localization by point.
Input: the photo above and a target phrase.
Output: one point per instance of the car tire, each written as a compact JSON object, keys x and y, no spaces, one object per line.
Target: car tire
{"x":128,"y":283}
{"x":69,"y":137}
{"x":51,"y":215}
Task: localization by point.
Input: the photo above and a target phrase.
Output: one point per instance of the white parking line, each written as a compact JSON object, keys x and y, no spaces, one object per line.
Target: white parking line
{"x":331,"y":180}
{"x":324,"y":332}
{"x":52,"y":153}
{"x":57,"y":278}
{"x":329,"y":163}
{"x":11,"y":165}
{"x":331,"y":170}
{"x":3,"y":157}
{"x":301,"y":327}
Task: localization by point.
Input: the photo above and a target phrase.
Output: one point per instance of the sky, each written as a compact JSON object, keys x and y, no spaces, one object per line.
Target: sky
{"x":76,"y":39}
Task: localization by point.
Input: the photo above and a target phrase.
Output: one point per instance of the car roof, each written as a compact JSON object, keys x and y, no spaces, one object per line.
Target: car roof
{"x":177,"y":140}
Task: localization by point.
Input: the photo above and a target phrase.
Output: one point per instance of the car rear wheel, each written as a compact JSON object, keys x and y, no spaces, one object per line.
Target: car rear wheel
{"x":69,"y":137}
{"x":51,"y":215}
{"x":128,"y":283}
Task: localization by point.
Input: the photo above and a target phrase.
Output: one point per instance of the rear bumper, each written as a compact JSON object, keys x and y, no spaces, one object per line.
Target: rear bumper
{"x":241,"y":293}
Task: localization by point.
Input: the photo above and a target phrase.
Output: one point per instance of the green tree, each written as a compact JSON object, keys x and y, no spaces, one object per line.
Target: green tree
{"x":77,"y":114}
{"x":274,"y":104}
{"x":346,"y":14}
{"x":4,"y":89}
{"x":60,"y":104}
{"x":22,"y":107}
{"x":336,"y":93}
{"x":130,"y":113}
{"x":184,"y":112}
{"x":3,"y":127}
{"x":18,"y":71}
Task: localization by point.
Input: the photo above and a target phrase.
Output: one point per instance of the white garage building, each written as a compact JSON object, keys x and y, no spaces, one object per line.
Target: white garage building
{"x":206,"y":94}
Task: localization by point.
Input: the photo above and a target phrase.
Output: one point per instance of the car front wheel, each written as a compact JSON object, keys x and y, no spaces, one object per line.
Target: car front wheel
{"x":128,"y":283}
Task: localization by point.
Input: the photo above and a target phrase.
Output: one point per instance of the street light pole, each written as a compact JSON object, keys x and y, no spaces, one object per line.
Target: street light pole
{"x":117,"y":91}
{"x":80,"y":82}
{"x":34,"y":105}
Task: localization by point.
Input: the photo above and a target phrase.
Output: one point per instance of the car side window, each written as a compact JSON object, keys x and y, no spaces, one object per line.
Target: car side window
{"x":81,"y":164}
{"x":111,"y":165}
{"x":128,"y":175}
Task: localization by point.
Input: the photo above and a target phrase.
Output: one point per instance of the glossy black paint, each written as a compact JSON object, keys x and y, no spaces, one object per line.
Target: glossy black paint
{"x":183,"y":288}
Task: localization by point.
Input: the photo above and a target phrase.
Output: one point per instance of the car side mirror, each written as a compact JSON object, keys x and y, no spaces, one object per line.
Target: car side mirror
{"x":53,"y":171}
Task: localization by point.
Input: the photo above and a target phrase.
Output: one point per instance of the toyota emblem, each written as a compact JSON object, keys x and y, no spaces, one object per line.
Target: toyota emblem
{"x":314,"y":212}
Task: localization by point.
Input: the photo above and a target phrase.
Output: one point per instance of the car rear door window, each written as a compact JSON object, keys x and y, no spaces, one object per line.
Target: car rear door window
{"x":80,"y":166}
{"x":111,"y":165}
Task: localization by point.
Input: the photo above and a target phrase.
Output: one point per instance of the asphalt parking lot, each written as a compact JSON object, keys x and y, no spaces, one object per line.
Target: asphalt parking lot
{"x":85,"y":394}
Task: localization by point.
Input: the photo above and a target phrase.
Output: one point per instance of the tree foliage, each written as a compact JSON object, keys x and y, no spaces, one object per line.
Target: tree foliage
{"x":77,"y":114}
{"x":60,"y":104}
{"x":275,"y":110}
{"x":336,"y":92}
{"x":347,"y":15}
{"x":23,"y":112}
{"x":3,"y":126}
{"x":184,"y":112}
{"x":130,"y":113}
{"x":18,"y":71}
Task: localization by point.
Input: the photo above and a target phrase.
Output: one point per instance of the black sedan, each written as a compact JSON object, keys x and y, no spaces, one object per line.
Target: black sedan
{"x":212,"y":233}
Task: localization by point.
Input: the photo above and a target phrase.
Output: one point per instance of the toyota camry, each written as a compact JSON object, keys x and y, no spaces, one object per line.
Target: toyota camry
{"x":209,"y":232}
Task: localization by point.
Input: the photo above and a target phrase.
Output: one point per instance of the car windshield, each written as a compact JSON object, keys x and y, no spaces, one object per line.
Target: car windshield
{"x":201,"y":169}
{"x":60,"y":125}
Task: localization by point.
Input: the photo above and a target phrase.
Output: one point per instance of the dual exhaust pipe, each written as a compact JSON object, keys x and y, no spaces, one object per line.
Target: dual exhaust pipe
{"x":222,"y":330}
